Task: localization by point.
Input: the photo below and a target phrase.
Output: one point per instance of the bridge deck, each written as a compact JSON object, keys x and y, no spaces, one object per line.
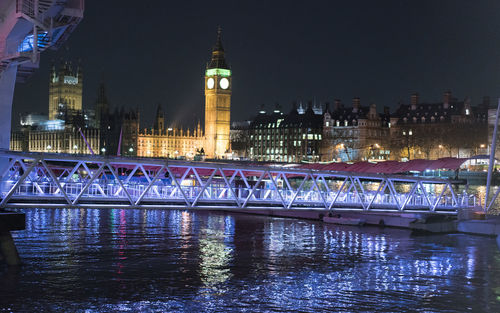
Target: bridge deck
{"x":58,"y":180}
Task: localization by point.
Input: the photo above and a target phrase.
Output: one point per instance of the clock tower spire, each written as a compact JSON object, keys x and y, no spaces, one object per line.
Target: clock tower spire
{"x":218,"y":85}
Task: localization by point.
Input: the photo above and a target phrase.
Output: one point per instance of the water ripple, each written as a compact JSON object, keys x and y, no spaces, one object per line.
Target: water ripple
{"x":179,"y":261}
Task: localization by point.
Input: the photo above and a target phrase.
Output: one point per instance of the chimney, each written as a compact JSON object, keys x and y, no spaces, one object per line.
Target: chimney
{"x":262,"y":109}
{"x":336,"y":104}
{"x":373,"y":111}
{"x":327,"y":108}
{"x":277,"y":108}
{"x":387,"y":110}
{"x":446,"y":99}
{"x":355,"y":104}
{"x":414,"y":101}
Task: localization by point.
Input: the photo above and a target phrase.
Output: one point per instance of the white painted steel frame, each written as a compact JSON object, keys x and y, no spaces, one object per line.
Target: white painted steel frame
{"x":94,"y":181}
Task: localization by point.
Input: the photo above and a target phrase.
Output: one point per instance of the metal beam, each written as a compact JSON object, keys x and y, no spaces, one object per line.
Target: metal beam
{"x":87,"y":185}
{"x":151,"y":182}
{"x":20,"y":181}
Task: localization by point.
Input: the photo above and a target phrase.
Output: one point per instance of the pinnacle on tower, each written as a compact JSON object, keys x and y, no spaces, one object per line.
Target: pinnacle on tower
{"x":218,"y":60}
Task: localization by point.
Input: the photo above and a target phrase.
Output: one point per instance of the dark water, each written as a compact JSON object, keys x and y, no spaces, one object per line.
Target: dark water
{"x":178,"y":261}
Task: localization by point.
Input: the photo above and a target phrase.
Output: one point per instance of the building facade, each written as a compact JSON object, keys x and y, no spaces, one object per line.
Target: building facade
{"x":67,"y":128}
{"x":358,"y":133}
{"x":450,"y":128}
{"x":161,"y":141}
{"x":293,"y":137}
{"x":67,"y":140}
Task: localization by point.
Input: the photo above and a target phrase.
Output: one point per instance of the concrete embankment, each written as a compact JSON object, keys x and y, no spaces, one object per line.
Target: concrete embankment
{"x":488,"y":225}
{"x":465,"y":222}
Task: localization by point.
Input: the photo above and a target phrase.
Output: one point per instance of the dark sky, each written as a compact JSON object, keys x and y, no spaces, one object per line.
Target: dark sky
{"x":150,"y":52}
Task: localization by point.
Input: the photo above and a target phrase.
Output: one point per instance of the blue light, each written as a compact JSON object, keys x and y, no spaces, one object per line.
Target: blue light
{"x":44,"y":40}
{"x":27,"y":43}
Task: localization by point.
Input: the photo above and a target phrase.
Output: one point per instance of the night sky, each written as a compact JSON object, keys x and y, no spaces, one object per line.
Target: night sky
{"x":150,"y":52}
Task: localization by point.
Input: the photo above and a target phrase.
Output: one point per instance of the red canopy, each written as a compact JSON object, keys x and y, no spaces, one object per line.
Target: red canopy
{"x":388,"y":167}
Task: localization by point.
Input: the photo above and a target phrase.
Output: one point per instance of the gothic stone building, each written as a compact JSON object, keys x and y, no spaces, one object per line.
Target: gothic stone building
{"x":214,"y":141}
{"x":67,"y":124}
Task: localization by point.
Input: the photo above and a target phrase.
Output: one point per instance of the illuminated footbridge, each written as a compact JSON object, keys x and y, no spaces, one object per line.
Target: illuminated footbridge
{"x":57,"y":180}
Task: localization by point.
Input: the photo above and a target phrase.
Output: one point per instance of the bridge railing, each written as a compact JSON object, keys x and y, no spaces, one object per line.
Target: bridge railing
{"x":41,"y":179}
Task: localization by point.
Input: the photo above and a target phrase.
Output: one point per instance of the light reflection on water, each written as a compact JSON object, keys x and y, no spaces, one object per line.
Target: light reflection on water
{"x":179,"y":261}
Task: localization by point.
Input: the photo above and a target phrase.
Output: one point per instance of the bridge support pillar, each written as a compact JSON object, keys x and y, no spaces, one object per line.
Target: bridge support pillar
{"x":8,"y":249}
{"x":7,"y":84}
{"x":10,"y":221}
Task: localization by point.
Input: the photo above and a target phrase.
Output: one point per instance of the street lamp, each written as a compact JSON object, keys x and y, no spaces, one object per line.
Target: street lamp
{"x":375,"y":151}
{"x":340,"y":147}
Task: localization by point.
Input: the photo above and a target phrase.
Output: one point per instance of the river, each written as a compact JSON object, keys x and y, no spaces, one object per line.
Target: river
{"x":109,"y":260}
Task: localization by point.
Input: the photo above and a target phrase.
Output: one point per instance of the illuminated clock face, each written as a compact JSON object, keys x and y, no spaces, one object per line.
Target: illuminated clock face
{"x":210,"y":83}
{"x":224,"y":83}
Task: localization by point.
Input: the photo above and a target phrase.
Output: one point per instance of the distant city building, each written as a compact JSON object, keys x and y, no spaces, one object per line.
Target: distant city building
{"x":286,"y":138}
{"x":450,"y":128}
{"x":68,"y":140}
{"x":418,"y":130}
{"x":161,"y":141}
{"x":67,"y":128}
{"x":358,"y":133}
{"x":214,"y":142}
{"x":67,"y":125}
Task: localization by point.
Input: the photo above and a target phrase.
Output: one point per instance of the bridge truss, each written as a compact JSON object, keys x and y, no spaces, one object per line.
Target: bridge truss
{"x":78,"y":181}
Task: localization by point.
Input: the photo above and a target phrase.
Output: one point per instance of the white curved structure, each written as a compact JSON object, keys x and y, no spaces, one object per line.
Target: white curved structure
{"x":28,"y":27}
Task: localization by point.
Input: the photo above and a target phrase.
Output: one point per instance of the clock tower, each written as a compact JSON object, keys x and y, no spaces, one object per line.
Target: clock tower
{"x":218,"y":85}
